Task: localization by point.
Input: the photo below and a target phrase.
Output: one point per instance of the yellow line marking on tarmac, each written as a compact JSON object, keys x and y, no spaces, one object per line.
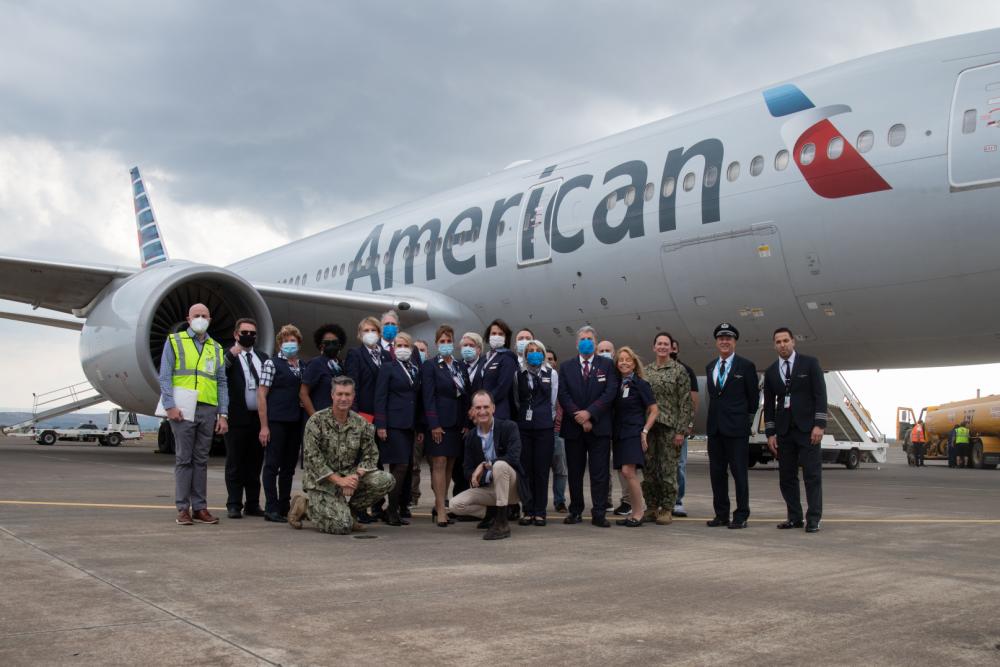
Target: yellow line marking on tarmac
{"x":48,"y":503}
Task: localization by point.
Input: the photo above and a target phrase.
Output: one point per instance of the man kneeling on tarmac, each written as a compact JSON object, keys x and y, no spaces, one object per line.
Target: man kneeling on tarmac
{"x":341,"y":465}
{"x":493,"y":467}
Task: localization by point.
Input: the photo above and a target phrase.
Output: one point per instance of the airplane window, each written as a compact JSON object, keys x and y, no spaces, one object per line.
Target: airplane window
{"x":611,"y":200}
{"x":343,"y":268}
{"x":865,"y":141}
{"x":835,"y":148}
{"x":502,"y":227}
{"x":808,"y":154}
{"x":475,"y":235}
{"x":326,"y":273}
{"x":689,"y":181}
{"x":427,"y":247}
{"x":304,"y":276}
{"x":387,"y":258}
{"x":733,"y":172}
{"x":969,"y":121}
{"x":647,"y":193}
{"x":319,"y":274}
{"x":781,"y":160}
{"x":630,"y":195}
{"x":406,"y":252}
{"x":298,"y":279}
{"x":668,"y":187}
{"x":439,"y":244}
{"x":416,"y":250}
{"x":711,"y":176}
{"x":757,"y":165}
{"x":897,"y":135}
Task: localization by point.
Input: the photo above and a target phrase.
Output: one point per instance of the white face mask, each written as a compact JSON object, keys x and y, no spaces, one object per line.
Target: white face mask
{"x":199,"y":324}
{"x":403,"y":353}
{"x":369,"y":338}
{"x":496,"y":342}
{"x":521,"y":344}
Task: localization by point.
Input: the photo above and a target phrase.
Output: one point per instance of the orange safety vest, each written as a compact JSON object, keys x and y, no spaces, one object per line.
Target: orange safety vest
{"x":918,"y":434}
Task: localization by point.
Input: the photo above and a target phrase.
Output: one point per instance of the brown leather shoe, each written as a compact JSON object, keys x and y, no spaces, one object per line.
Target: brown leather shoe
{"x":184,"y":518}
{"x":203,"y":516}
{"x":664,"y":517}
{"x":649,"y":514}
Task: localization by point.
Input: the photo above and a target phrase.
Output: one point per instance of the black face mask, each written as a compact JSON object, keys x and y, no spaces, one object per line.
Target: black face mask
{"x":331,"y":348}
{"x":247,"y":339}
{"x":673,"y":355}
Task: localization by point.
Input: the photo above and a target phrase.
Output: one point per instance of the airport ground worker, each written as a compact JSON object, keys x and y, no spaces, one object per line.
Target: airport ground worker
{"x":672,"y":391}
{"x":962,"y":446}
{"x":341,"y":477}
{"x":919,"y":442}
{"x":193,"y":361}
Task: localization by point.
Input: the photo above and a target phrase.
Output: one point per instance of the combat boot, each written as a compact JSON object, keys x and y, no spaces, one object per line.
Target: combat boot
{"x":297,"y":512}
{"x":491,"y":513}
{"x":649,"y":514}
{"x":664,"y":517}
{"x":500,"y":528}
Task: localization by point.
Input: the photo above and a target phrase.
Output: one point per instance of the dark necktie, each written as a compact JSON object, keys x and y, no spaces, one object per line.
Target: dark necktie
{"x":586,"y":369}
{"x":377,"y":356}
{"x":392,"y":352}
{"x":788,"y":375}
{"x":253,"y":371}
{"x":722,"y":373}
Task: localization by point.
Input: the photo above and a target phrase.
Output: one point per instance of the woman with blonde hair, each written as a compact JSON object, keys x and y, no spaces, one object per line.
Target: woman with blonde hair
{"x":280,"y":421}
{"x":635,"y":413}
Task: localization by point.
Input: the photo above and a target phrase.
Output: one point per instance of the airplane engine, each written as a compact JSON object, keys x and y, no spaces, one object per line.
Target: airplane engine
{"x":126,"y":329}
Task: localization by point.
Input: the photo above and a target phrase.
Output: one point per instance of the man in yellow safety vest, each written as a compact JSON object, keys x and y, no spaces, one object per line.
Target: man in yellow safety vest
{"x":962,"y":446}
{"x":193,"y":367}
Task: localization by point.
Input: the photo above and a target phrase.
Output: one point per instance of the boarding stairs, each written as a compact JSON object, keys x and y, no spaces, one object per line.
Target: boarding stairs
{"x":847,"y":418}
{"x":58,"y":402}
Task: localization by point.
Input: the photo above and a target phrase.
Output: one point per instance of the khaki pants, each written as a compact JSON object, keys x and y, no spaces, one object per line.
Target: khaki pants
{"x":501,"y":492}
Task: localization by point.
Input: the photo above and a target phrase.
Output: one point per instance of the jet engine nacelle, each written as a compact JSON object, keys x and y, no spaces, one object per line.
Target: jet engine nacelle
{"x":126,"y":329}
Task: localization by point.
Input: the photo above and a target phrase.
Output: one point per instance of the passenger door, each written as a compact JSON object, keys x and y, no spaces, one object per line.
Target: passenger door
{"x":974,"y":132}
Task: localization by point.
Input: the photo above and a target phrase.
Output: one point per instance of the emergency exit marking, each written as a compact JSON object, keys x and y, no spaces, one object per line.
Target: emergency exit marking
{"x":764,"y":251}
{"x":990,"y":148}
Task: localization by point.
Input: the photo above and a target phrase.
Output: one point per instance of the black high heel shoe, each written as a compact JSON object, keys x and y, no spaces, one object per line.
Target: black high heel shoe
{"x":440,"y":524}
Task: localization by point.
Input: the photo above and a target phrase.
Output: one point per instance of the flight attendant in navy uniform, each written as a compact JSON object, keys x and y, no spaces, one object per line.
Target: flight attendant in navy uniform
{"x":536,"y":387}
{"x":500,"y":368}
{"x":635,"y":412}
{"x":733,"y":397}
{"x":362,"y":365}
{"x":794,"y":420}
{"x":445,"y":388}
{"x":397,"y":419}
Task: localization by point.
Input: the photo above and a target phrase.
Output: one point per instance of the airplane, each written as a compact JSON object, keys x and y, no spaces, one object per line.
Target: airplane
{"x":856,"y":205}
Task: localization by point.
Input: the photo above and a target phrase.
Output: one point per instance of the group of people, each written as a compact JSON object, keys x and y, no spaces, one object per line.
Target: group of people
{"x":493,"y":415}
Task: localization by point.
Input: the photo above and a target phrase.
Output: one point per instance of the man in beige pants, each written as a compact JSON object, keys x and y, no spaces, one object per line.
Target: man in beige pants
{"x":493,"y":467}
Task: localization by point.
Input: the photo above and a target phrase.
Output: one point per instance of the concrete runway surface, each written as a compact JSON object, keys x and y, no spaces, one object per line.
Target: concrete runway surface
{"x":94,"y":571}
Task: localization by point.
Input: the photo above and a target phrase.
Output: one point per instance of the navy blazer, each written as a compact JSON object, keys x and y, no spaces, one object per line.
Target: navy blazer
{"x":238,"y":413}
{"x":507,"y":443}
{"x":808,"y":397}
{"x":731,"y":410}
{"x":360,"y":367}
{"x":596,"y":395}
{"x":498,"y":375}
{"x":444,"y":405}
{"x":397,"y":397}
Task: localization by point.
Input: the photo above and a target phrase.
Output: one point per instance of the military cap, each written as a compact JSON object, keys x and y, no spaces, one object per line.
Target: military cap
{"x":727,"y":329}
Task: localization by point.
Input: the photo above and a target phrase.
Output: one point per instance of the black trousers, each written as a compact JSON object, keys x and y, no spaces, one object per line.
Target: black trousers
{"x":536,"y":460}
{"x":794,"y":451}
{"x":918,"y":453}
{"x":458,"y":481}
{"x":725,"y":455}
{"x":280,"y":457}
{"x":244,"y":458}
{"x":594,"y":449}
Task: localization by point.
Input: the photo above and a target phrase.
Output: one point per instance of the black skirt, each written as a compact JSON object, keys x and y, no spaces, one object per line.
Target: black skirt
{"x":450,"y":445}
{"x":398,"y":448}
{"x":628,"y":451}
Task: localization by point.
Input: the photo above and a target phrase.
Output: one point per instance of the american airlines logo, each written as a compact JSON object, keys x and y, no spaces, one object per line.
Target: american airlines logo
{"x":808,"y":134}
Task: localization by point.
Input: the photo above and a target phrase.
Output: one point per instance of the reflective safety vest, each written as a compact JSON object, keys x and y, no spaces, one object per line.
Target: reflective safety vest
{"x":194,"y":370}
{"x":918,"y":434}
{"x":961,"y":435}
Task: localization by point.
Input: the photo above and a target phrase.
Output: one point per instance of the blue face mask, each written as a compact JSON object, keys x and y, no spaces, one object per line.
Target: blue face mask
{"x":535,"y":358}
{"x":290,"y":349}
{"x":446,"y":349}
{"x":521,"y":344}
{"x":468,"y":352}
{"x":420,"y":353}
{"x":389,"y":331}
{"x":585,"y":346}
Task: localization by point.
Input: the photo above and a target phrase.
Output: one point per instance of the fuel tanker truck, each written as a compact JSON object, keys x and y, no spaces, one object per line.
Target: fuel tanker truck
{"x":980,"y":415}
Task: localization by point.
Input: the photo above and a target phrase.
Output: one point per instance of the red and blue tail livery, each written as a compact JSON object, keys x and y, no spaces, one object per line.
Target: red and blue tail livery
{"x":151,"y":248}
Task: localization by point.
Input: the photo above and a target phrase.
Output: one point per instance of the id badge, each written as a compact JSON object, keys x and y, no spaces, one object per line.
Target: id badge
{"x":788,"y":401}
{"x":625,"y":392}
{"x":527,"y":415}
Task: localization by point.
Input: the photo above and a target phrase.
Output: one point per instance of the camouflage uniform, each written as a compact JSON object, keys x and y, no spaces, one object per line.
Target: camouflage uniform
{"x":333,"y":448}
{"x":672,"y":391}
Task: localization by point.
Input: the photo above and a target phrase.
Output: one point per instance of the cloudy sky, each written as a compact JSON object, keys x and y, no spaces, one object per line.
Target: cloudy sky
{"x":274,"y":120}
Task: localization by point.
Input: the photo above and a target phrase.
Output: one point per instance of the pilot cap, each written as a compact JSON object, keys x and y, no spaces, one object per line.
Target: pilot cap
{"x":727,"y":329}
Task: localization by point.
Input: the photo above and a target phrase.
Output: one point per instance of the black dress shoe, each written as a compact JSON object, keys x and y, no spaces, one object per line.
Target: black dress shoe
{"x":274,"y":516}
{"x":540,"y":521}
{"x":629,"y":522}
{"x":716,"y":522}
{"x":404,"y":513}
{"x":364,"y":517}
{"x":812,"y":528}
{"x":573,"y":518}
{"x":513,"y":512}
{"x":600,"y":522}
{"x":254,"y":511}
{"x":736,"y":525}
{"x":525,"y":521}
{"x":391,"y":518}
{"x":234,"y":513}
{"x":786,"y":525}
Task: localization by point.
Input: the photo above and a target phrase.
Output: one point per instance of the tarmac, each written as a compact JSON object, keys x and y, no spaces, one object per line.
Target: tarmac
{"x":94,"y":571}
